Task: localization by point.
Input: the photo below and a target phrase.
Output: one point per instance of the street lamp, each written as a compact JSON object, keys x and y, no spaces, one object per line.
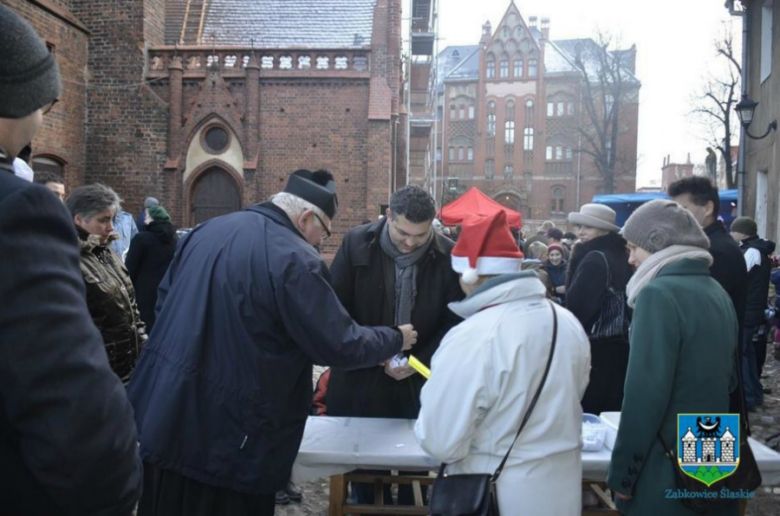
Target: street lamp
{"x":745,"y":109}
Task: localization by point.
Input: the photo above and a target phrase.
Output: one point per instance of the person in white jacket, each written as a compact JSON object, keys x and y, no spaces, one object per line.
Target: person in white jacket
{"x":488,"y":369}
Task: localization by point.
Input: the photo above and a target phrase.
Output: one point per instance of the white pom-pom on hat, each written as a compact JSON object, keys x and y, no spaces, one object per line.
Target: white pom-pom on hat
{"x":470,"y":276}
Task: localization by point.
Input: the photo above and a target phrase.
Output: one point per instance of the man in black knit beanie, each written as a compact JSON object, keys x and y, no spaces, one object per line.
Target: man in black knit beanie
{"x":67,"y":436}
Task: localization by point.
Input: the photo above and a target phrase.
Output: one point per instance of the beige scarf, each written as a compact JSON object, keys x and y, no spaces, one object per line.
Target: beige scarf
{"x":657,"y":261}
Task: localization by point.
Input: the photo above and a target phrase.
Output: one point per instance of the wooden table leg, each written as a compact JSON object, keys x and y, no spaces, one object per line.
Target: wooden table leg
{"x":417,"y":490}
{"x":605,"y":499}
{"x":338,"y":495}
{"x":379,"y":493}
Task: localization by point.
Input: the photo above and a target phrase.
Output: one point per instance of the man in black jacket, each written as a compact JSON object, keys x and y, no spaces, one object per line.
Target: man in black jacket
{"x":699,"y":196}
{"x":394,"y":271}
{"x":67,"y":437}
{"x":757,"y":252}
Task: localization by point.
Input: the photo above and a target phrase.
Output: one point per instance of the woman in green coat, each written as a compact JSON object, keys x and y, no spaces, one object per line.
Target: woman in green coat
{"x":682,"y":339}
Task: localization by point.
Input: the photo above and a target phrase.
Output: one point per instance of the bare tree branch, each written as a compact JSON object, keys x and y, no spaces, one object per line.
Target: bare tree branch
{"x":714,"y":108}
{"x":606,"y":85}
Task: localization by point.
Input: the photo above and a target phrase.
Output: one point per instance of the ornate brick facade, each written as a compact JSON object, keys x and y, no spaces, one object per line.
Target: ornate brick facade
{"x":139,"y":101}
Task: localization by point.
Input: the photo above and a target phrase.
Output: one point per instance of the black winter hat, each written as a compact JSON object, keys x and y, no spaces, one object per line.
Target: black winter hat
{"x":745,"y":225}
{"x":29,"y":76}
{"x":318,"y":188}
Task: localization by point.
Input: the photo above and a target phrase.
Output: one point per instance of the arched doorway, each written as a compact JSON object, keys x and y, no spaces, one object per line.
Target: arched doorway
{"x":509,"y":200}
{"x":214,"y":193}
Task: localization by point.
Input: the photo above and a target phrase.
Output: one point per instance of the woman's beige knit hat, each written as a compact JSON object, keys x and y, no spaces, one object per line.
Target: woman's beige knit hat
{"x":658,"y":224}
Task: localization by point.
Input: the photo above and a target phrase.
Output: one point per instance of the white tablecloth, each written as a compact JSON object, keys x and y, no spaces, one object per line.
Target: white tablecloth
{"x":334,"y":445}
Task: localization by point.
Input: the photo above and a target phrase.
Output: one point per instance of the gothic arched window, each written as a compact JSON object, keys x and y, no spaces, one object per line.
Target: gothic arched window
{"x":504,"y":66}
{"x":528,"y":138}
{"x":509,"y":132}
{"x":533,"y":67}
{"x":490,"y":67}
{"x":518,"y":71}
{"x":558,"y":198}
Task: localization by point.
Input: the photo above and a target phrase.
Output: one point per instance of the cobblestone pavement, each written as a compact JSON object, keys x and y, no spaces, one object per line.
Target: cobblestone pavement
{"x":765,"y":423}
{"x":766,"y":429}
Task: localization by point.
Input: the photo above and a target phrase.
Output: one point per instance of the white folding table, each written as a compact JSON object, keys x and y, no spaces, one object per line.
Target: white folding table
{"x":333,"y":446}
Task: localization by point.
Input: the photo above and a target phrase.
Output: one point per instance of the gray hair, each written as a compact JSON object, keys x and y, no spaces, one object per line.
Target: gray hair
{"x":88,"y":201}
{"x":151,"y":201}
{"x":294,"y":206}
{"x":536,"y":250}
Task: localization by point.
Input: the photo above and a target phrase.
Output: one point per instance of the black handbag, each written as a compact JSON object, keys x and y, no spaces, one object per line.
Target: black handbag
{"x":614,"y":313}
{"x":475,"y":494}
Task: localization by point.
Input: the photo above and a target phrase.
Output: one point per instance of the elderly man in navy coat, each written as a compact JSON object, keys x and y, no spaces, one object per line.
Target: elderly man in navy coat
{"x":223,"y":387}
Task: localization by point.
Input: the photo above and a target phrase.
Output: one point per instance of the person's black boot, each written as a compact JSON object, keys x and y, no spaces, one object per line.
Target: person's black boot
{"x":282,"y":498}
{"x":293,"y":493}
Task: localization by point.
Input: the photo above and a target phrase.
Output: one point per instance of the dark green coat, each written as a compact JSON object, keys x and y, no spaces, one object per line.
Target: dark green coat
{"x":682,"y":338}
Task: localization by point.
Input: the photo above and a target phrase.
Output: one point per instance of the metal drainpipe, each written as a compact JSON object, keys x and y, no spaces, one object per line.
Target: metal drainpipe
{"x":741,"y":155}
{"x":579,"y":154}
{"x":409,"y":96}
{"x":444,"y":111}
{"x":435,"y":149}
{"x":434,"y":101}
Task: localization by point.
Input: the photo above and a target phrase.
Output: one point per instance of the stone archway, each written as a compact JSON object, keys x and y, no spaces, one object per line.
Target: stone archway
{"x":510,"y":200}
{"x":214,"y":192}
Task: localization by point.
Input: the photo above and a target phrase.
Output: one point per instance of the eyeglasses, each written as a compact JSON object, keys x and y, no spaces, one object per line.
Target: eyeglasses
{"x":46,"y":109}
{"x":327,"y":231}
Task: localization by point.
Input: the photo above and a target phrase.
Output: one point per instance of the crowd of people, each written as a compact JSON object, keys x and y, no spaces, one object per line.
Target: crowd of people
{"x":144,"y":373}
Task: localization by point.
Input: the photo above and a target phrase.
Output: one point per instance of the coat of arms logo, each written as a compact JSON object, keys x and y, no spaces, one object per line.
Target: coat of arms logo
{"x":708,"y":446}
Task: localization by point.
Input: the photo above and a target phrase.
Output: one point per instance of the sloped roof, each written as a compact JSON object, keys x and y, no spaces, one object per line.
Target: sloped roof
{"x":467,"y":68}
{"x":559,"y":59}
{"x":453,"y":56}
{"x":174,"y":18}
{"x":568,"y":50}
{"x":288,"y":23}
{"x":556,"y":62}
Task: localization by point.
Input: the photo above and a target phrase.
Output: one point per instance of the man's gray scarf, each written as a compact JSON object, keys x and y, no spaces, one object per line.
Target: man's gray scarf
{"x":405,"y":274}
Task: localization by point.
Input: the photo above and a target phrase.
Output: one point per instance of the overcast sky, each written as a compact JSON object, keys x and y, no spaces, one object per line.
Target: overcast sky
{"x":675,"y":51}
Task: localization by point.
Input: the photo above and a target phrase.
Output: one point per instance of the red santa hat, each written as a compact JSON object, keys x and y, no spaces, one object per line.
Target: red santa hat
{"x":485,"y":248}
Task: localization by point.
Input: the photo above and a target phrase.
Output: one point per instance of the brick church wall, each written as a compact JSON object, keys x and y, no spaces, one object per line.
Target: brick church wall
{"x":127,"y":122}
{"x":328,"y":130}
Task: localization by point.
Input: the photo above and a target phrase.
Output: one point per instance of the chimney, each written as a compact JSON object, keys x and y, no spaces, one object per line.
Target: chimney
{"x":689,"y":159}
{"x":546,"y":28}
{"x":532,"y":22}
{"x":487,"y":31}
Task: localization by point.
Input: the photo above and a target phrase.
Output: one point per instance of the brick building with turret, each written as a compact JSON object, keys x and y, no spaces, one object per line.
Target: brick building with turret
{"x":512,"y":120}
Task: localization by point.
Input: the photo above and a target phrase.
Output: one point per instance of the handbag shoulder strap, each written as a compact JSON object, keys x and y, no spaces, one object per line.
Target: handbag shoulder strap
{"x":609,"y":271}
{"x":536,"y":396}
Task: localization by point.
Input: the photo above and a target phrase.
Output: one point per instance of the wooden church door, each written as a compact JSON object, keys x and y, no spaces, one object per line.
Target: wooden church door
{"x":214,"y":194}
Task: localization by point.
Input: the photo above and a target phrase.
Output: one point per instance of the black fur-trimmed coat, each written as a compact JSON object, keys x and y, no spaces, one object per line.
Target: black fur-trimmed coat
{"x":588,"y":275}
